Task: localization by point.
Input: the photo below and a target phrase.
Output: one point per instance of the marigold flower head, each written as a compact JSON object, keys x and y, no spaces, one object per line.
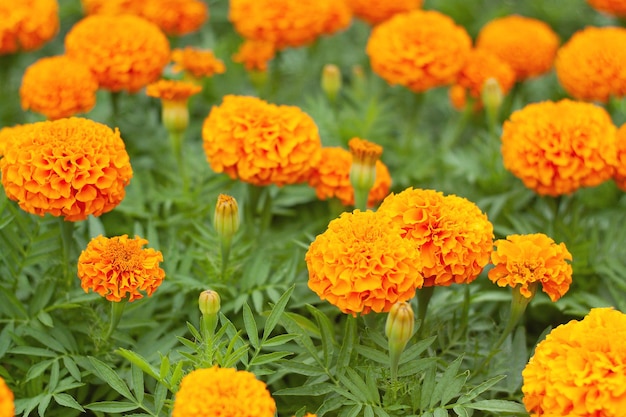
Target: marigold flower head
{"x":7,"y":407}
{"x":453,"y":235}
{"x":557,"y":147}
{"x":620,"y":169}
{"x":261,"y":143}
{"x":216,"y":391}
{"x":172,"y":90}
{"x":58,"y":87}
{"x":376,"y":11}
{"x":197,"y":62}
{"x":255,"y":55}
{"x":528,"y":45}
{"x":124,"y":52}
{"x":590,"y":66}
{"x":419,"y":50}
{"x":26,"y":25}
{"x":614,"y":7}
{"x":579,"y":369}
{"x":10,"y":134}
{"x":68,"y":167}
{"x":338,"y":15}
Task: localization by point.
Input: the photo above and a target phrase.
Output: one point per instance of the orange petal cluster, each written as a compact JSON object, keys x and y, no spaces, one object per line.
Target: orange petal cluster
{"x":592,"y":64}
{"x":255,"y":55}
{"x":419,"y":50}
{"x":331,"y":178}
{"x":7,"y":407}
{"x":172,"y":90}
{"x":197,"y":62}
{"x":528,"y":45}
{"x":58,"y":87}
{"x":361,"y":263}
{"x":557,"y":147}
{"x":620,"y":168}
{"x":10,"y":134}
{"x":453,"y":236}
{"x":68,"y":167}
{"x":613,"y":7}
{"x":521,"y":261}
{"x":377,"y":11}
{"x":579,"y":369}
{"x":261,"y":143}
{"x":218,"y":391}
{"x":26,"y":25}
{"x":124,"y":52}
{"x":119,"y":267}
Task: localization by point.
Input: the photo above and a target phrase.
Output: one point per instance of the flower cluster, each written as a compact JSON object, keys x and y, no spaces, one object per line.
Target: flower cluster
{"x":557,"y":147}
{"x":361,"y":263}
{"x":579,"y":369}
{"x":620,"y":169}
{"x":614,"y":7}
{"x":27,"y":24}
{"x":124,"y":52}
{"x":261,"y":143}
{"x":419,"y":50}
{"x":453,"y":236}
{"x":523,"y":261}
{"x":590,"y":66}
{"x":67,"y":167}
{"x":217,"y":391}
{"x":58,"y":87}
{"x":7,"y":407}
{"x":254,"y":55}
{"x":377,"y":11}
{"x":196,"y":62}
{"x":119,"y":267}
{"x":527,"y":45}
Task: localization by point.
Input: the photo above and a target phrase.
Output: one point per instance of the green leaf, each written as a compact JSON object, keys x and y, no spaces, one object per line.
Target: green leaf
{"x":327,"y":334}
{"x":455,"y":387}
{"x":460,"y":411}
{"x":440,"y":412}
{"x":373,"y":354}
{"x":32,"y":351}
{"x":160,"y":394}
{"x":44,"y":403}
{"x":312,"y":389}
{"x":476,"y":391}
{"x":269,"y":358}
{"x":68,"y":401}
{"x":165,"y":368}
{"x":250,"y":325}
{"x":428,"y":386}
{"x":54,"y":376}
{"x":39,"y":368}
{"x":347,"y":346}
{"x":71,"y":367}
{"x":108,"y":375}
{"x":445,"y":382}
{"x":45,"y":319}
{"x":276,"y":313}
{"x":112,"y":406}
{"x":497,"y":406}
{"x":138,"y":360}
{"x":301,"y":368}
{"x":137,"y":383}
{"x":354,"y":411}
{"x":279,"y":340}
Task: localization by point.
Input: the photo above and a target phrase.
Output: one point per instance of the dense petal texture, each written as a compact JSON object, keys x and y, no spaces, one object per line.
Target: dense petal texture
{"x":376,"y":11}
{"x":361,"y":263}
{"x":26,"y":25}
{"x":614,"y":7}
{"x":255,"y":55}
{"x":261,"y":143}
{"x":557,"y":147}
{"x":67,"y":167}
{"x":172,"y":90}
{"x":579,"y":370}
{"x":118,"y":267}
{"x":197,"y":62}
{"x":419,"y":50}
{"x":453,"y":236}
{"x":224,"y":392}
{"x":7,"y":407}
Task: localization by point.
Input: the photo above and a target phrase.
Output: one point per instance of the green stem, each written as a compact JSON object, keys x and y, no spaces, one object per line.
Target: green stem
{"x":360,"y":198}
{"x":176,"y":140}
{"x":67,"y":239}
{"x":423,"y":299}
{"x":117,"y":309}
{"x":225,"y":246}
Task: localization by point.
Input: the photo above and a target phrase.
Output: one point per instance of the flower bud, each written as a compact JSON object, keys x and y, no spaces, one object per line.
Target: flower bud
{"x":331,"y":81}
{"x":400,"y":325}
{"x":226,"y":219}
{"x":175,"y":115}
{"x":363,"y":169}
{"x":209,"y":302}
{"x":492,"y":96}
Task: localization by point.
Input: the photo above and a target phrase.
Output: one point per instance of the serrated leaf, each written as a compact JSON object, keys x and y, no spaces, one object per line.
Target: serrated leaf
{"x":277,"y":311}
{"x":165,"y":368}
{"x":68,"y":401}
{"x":54,"y":376}
{"x":269,"y":358}
{"x":347,"y":346}
{"x":279,"y":340}
{"x":326,"y":332}
{"x":112,"y":406}
{"x":43,"y":404}
{"x":373,"y":354}
{"x":454,"y":388}
{"x":428,"y":386}
{"x":497,"y":406}
{"x":444,"y":382}
{"x":357,"y":386}
{"x":137,"y":383}
{"x":460,"y":411}
{"x":312,"y":389}
{"x":71,"y":367}
{"x":440,"y":412}
{"x":108,"y":375}
{"x":138,"y":360}
{"x":301,"y":368}
{"x":38,"y":369}
{"x":160,"y":394}
{"x":250,"y":325}
{"x":354,"y":411}
{"x":476,"y":391}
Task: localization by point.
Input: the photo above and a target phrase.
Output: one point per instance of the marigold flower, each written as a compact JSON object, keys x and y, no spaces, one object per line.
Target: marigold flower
{"x":419,"y":50}
{"x":579,"y":369}
{"x":197,"y":62}
{"x":338,"y":15}
{"x":528,"y":45}
{"x":376,"y":11}
{"x":68,"y":167}
{"x":255,"y":55}
{"x":7,"y":407}
{"x":590,"y":66}
{"x":261,"y":143}
{"x":124,"y":52}
{"x":58,"y":87}
{"x":620,"y":169}
{"x":222,"y":391}
{"x":172,"y":90}
{"x":614,"y":7}
{"x":523,"y":260}
{"x":557,"y":147}
{"x":27,"y":25}
{"x":361,"y":263}
{"x":119,"y":267}
{"x":10,"y":134}
{"x":453,"y":236}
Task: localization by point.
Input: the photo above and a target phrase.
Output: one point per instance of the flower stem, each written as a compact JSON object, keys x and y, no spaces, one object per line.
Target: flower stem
{"x":117,"y":309}
{"x":423,"y":299}
{"x":67,"y":238}
{"x":176,"y":141}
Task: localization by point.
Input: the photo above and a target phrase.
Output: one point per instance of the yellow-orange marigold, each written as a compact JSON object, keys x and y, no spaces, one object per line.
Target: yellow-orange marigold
{"x":592,"y":64}
{"x":614,"y":7}
{"x":10,"y":134}
{"x":331,"y":178}
{"x":261,"y":143}
{"x":58,"y":87}
{"x":26,"y":25}
{"x":255,"y":55}
{"x":522,"y":261}
{"x":217,"y":391}
{"x":361,"y":263}
{"x":338,"y":16}
{"x":68,"y":167}
{"x":579,"y":369}
{"x":620,"y":168}
{"x":197,"y":62}
{"x":124,"y":52}
{"x":453,"y":236}
{"x":419,"y":50}
{"x":528,"y":45}
{"x":119,"y":267}
{"x":376,"y":11}
{"x":557,"y":147}
{"x":7,"y":407}
{"x":172,"y":90}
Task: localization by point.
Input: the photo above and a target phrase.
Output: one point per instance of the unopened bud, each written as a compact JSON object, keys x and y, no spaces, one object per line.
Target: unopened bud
{"x":209,"y":302}
{"x":400,"y":325}
{"x":226,"y":219}
{"x":363,"y":169}
{"x":175,"y":116}
{"x":331,"y":81}
{"x":491,"y":95}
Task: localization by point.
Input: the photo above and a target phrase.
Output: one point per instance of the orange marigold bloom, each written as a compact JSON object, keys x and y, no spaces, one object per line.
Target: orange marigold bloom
{"x":525,"y":260}
{"x":58,"y":87}
{"x":453,"y":236}
{"x":614,"y":7}
{"x":361,"y":263}
{"x":419,"y":50}
{"x":527,"y":45}
{"x":338,"y":15}
{"x":172,"y":90}
{"x":331,"y":178}
{"x":217,"y":391}
{"x":261,"y":143}
{"x":119,"y":267}
{"x":124,"y":52}
{"x":255,"y":55}
{"x":10,"y":134}
{"x":579,"y":369}
{"x":376,"y":11}
{"x":68,"y":167}
{"x":197,"y":62}
{"x":27,"y":25}
{"x":620,"y":169}
{"x":591,"y":65}
{"x":557,"y":147}
{"x":7,"y":407}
